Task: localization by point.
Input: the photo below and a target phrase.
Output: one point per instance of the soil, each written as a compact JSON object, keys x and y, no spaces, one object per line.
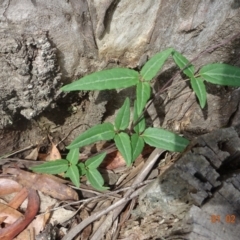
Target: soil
{"x":72,"y":115}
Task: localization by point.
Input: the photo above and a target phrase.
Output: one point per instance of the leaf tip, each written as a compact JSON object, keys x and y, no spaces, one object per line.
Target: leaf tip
{"x":64,"y":88}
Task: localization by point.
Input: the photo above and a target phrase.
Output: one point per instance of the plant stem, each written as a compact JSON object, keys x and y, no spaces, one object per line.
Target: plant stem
{"x":168,"y":83}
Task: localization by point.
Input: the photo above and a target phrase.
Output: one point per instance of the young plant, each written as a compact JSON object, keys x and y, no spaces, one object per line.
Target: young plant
{"x":72,"y":169}
{"x":131,"y":136}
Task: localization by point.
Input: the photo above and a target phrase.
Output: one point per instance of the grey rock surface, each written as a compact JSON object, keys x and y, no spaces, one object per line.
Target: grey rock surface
{"x":30,"y":75}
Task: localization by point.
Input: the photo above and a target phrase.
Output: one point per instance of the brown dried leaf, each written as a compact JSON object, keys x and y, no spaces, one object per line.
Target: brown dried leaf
{"x":35,"y":227}
{"x":8,"y":186}
{"x":18,"y":199}
{"x":10,"y":214}
{"x":43,"y":183}
{"x":87,"y":230}
{"x":40,"y":222}
{"x":33,"y":155}
{"x":113,"y":160}
{"x":54,"y":153}
{"x":42,"y":156}
{"x":2,"y":219}
{"x":62,"y":215}
{"x":15,"y":228}
{"x":27,"y":234}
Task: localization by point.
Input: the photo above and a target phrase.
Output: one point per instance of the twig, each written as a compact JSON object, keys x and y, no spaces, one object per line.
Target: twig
{"x":141,"y":176}
{"x":102,"y":195}
{"x":77,"y":229}
{"x":131,"y":193}
{"x":18,"y":151}
{"x":79,"y":125}
{"x":86,"y":190}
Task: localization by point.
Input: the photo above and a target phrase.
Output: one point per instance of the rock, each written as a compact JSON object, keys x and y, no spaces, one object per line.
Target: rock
{"x":196,"y":198}
{"x":30,"y":76}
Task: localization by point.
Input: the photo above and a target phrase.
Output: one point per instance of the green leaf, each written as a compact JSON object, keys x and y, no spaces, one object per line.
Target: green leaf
{"x":52,"y":167}
{"x":81,"y":168}
{"x":154,"y":65}
{"x":137,"y":143}
{"x":199,"y":88}
{"x":222,"y":74}
{"x":161,"y":138}
{"x":99,"y":132}
{"x":95,"y":161}
{"x":95,"y":179}
{"x":107,"y":79}
{"x":143,"y":94}
{"x":123,"y":144}
{"x":73,"y":156}
{"x":123,"y":116}
{"x":73,"y":174}
{"x":181,"y":61}
{"x":141,"y":125}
